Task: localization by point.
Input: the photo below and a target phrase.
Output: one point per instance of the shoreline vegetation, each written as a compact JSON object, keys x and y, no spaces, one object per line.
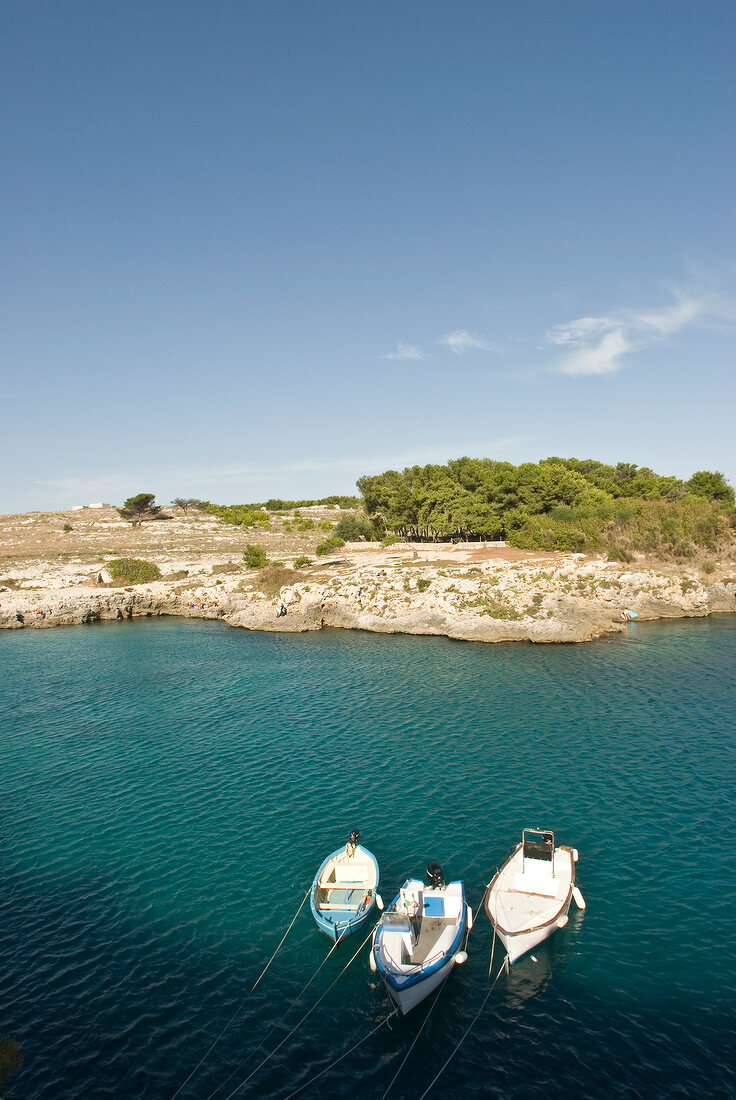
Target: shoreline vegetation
{"x":558,"y":551}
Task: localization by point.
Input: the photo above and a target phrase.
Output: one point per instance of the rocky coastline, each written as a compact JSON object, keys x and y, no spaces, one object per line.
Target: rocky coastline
{"x":471,"y":592}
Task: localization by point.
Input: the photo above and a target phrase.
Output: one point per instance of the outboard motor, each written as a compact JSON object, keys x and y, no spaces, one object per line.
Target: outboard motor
{"x":353,"y":840}
{"x":435,"y":876}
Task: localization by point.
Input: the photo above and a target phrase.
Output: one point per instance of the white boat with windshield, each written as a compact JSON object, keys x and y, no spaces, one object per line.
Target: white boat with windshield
{"x":530,"y":896}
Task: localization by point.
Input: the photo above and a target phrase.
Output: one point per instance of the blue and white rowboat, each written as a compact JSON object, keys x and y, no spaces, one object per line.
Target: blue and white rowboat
{"x":419,"y":938}
{"x":343,"y":894}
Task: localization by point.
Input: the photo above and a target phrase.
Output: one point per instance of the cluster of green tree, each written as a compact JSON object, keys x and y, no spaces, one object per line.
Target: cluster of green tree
{"x":252,"y":515}
{"x":329,"y":545}
{"x":275,"y":504}
{"x":565,"y":504}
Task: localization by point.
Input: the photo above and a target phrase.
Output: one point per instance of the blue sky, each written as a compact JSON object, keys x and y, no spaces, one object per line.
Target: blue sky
{"x":260,"y":249}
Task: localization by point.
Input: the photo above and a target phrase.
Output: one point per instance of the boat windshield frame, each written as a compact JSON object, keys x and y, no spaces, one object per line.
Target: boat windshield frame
{"x":538,"y":844}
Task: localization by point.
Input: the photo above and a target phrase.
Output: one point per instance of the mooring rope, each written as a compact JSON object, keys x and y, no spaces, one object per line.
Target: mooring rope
{"x":465,"y":1033}
{"x":426,"y":1018}
{"x":286,"y":933}
{"x":239,"y":1009}
{"x":414,"y":1040}
{"x":309,"y":1011}
{"x":338,"y":1060}
{"x":493,"y":948}
{"x":270,"y":1033}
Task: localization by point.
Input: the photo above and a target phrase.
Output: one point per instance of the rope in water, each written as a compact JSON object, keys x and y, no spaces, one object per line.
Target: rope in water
{"x":426,"y":1018}
{"x":493,"y":948}
{"x":421,"y":1029}
{"x":239,"y":1009}
{"x":270,"y":1033}
{"x":286,"y":933}
{"x":391,"y":1084}
{"x":360,"y":1041}
{"x":338,"y":1060}
{"x":308,"y":1013}
{"x":465,"y":1033}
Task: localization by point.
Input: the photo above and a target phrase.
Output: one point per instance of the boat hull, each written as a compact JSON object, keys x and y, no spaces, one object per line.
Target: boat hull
{"x":342,"y":924}
{"x":529,"y":899}
{"x":409,"y":997}
{"x":415,"y":956}
{"x":341,"y":906}
{"x":519,"y":943}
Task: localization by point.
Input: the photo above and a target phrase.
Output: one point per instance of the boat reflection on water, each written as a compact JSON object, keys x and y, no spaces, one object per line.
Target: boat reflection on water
{"x":529,"y":976}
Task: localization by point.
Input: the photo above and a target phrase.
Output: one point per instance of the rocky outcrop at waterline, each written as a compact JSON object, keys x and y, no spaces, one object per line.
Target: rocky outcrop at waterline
{"x":473,"y":593}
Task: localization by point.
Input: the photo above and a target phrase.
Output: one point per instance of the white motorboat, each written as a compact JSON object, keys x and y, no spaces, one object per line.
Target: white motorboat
{"x":530,"y":896}
{"x":419,"y":937}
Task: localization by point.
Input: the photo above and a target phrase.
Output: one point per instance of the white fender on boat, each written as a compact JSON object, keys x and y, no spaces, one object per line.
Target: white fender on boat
{"x":575,"y":854}
{"x":372,"y":961}
{"x":562,"y":921}
{"x":460,"y":957}
{"x":579,"y":899}
{"x":379,"y":902}
{"x":470,"y":920}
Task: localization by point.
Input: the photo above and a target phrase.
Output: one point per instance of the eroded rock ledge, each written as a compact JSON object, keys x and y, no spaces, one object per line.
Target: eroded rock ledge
{"x":554,"y":598}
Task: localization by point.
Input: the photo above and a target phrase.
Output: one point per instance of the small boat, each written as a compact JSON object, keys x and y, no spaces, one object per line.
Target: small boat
{"x":530,"y":896}
{"x":343,"y":894}
{"x":418,"y":939}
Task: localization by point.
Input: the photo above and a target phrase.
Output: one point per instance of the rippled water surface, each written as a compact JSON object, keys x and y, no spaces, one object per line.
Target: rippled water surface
{"x":169,"y":789}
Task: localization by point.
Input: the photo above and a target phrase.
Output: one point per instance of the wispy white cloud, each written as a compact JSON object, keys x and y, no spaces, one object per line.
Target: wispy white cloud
{"x":405,"y":352}
{"x":461,"y":341}
{"x":115,"y":487}
{"x":598,"y":345}
{"x":600,"y":354}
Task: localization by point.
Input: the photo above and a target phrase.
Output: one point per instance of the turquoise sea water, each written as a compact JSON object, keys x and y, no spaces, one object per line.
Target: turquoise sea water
{"x":169,"y":789}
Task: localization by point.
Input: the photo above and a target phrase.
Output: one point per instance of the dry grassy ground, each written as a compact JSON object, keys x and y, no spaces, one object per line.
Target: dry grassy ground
{"x":182,"y":541}
{"x":37,"y":543}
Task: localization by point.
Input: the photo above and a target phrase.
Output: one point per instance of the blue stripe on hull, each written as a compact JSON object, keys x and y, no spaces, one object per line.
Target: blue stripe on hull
{"x":343,"y":923}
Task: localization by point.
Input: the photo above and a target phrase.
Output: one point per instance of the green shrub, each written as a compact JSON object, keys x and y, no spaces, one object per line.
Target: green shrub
{"x":709,"y":566}
{"x":255,"y":557}
{"x":618,"y":553}
{"x":329,"y":545}
{"x":67,"y":528}
{"x":423,"y":584}
{"x":302,"y":560}
{"x":133,"y":570}
{"x":305,"y":525}
{"x":535,"y":605}
{"x":241,"y":515}
{"x":389,"y":540}
{"x":353,"y":528}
